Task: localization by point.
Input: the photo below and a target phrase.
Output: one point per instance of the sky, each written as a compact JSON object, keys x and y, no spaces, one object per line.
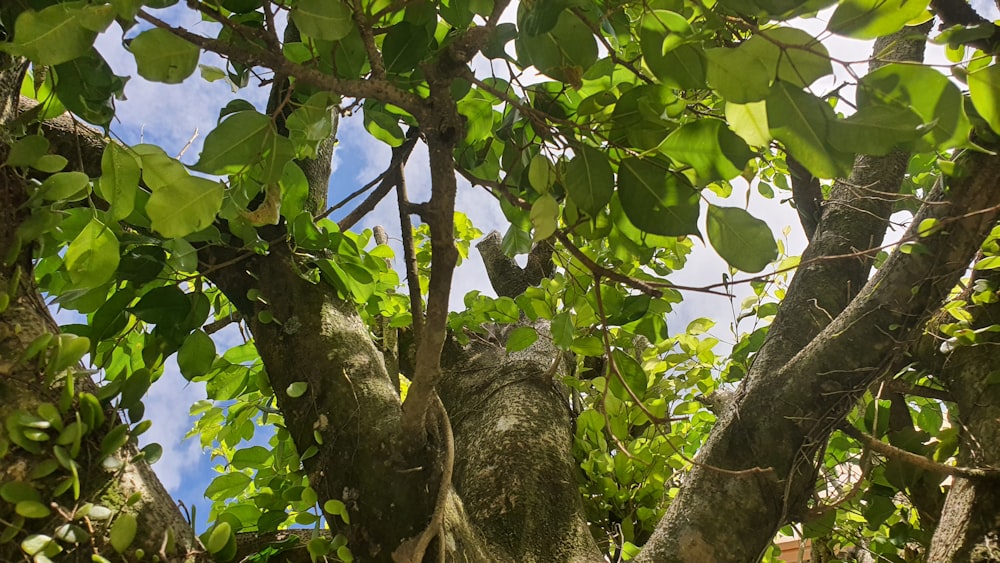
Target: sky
{"x":171,"y":116}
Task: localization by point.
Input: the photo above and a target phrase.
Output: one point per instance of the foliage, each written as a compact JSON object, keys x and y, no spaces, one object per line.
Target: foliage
{"x":647,"y":127}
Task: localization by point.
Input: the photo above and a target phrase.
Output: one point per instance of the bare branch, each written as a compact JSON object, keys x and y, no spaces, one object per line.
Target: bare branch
{"x":409,"y":255}
{"x":369,"y":88}
{"x":916,"y":460}
{"x":387,"y":179}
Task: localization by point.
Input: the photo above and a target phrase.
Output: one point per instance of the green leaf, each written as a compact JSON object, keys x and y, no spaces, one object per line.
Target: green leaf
{"x":632,"y":374}
{"x":564,"y":52}
{"x":404,"y":46}
{"x":562,"y":330}
{"x":219,"y":537}
{"x":802,"y":59}
{"x":26,"y":151}
{"x":739,"y":75}
{"x":151,"y":453}
{"x":53,"y":35}
{"x":123,"y":532}
{"x":240,"y":140}
{"x":227,"y":485}
{"x":802,"y":121}
{"x":119,"y":180}
{"x":297,"y":389}
{"x":36,"y":544}
{"x":196,"y":355}
{"x":18,"y":491}
{"x":927,"y":92}
{"x":161,"y":56}
{"x":544,"y":217}
{"x":184,"y":207}
{"x":869,"y":19}
{"x":744,"y":241}
{"x":86,"y":86}
{"x":541,"y":175}
{"x":641,"y":116}
{"x":92,"y":257}
{"x":589,"y":180}
{"x":382,"y":125}
{"x":65,"y":186}
{"x":113,"y":440}
{"x":984,"y":88}
{"x":876,"y":130}
{"x":520,"y":338}
{"x":657,"y":200}
{"x":749,"y":121}
{"x":167,"y":305}
{"x":311,"y":123}
{"x":254,"y":457}
{"x":689,"y":68}
{"x":323,"y":19}
{"x":32,"y":509}
{"x":710,"y":148}
{"x":662,"y":31}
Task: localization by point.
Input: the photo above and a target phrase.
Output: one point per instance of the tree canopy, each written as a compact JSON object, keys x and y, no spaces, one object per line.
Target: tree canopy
{"x":853,"y":404}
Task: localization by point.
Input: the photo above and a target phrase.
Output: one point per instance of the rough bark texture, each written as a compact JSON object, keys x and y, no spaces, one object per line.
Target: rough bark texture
{"x":513,"y":467}
{"x":350,"y":402}
{"x":969,"y":529}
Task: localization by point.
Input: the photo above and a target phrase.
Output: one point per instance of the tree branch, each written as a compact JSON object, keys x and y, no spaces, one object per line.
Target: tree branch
{"x":916,"y":460}
{"x":806,"y":398}
{"x":381,"y":90}
{"x":852,"y":219}
{"x":388,"y":180}
{"x":960,"y":12}
{"x":409,"y":256}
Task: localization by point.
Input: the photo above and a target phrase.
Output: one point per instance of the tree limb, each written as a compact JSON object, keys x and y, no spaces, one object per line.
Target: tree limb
{"x":916,"y":460}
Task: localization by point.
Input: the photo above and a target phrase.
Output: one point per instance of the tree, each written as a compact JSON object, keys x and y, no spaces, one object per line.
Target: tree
{"x":559,"y":421}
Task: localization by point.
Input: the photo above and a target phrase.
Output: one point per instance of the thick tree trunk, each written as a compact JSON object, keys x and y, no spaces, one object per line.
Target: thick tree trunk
{"x":513,"y":465}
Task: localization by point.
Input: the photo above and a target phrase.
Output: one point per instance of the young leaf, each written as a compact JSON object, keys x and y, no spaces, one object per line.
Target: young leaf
{"x":123,"y":532}
{"x":92,"y":257}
